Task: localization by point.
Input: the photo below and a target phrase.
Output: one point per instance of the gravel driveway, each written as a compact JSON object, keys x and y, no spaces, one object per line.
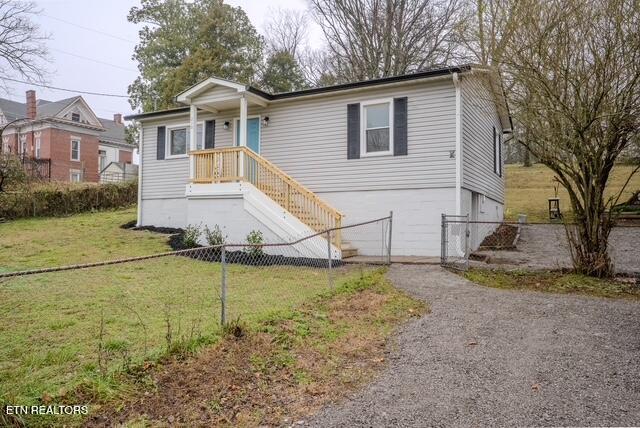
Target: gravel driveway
{"x":545,"y":246}
{"x":493,"y":357}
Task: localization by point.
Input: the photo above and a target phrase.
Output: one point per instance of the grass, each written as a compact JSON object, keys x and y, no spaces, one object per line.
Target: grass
{"x":528,"y":190}
{"x":43,"y":242}
{"x":69,"y":336}
{"x":555,"y":282}
{"x":286,"y":366}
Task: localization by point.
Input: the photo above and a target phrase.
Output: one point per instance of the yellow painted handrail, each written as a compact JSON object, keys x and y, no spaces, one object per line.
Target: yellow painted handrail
{"x":243,"y":164}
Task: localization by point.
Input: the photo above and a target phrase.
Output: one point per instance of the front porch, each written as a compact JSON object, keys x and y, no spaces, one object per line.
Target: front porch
{"x":242,"y":162}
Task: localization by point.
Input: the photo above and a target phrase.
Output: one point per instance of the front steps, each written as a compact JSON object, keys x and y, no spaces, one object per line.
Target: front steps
{"x":348,"y":250}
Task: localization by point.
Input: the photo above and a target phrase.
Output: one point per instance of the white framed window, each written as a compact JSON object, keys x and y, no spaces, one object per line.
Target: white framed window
{"x":23,"y":146}
{"x":75,"y":117}
{"x":75,"y":176}
{"x":178,"y":139}
{"x":102,"y":159}
{"x":75,"y":150}
{"x":376,"y":123}
{"x":38,"y":147}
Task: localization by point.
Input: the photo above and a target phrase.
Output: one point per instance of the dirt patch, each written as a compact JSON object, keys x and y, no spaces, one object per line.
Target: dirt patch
{"x":285,"y":370}
{"x":503,"y":238}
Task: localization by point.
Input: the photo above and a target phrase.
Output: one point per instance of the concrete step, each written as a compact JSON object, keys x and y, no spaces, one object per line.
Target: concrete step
{"x":348,"y":250}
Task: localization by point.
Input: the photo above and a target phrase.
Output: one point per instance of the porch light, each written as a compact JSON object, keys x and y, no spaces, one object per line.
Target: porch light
{"x":265,"y":121}
{"x":226,"y":125}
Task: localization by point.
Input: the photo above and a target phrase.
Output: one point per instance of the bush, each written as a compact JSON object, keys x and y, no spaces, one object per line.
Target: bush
{"x":60,"y":199}
{"x":215,"y":237}
{"x":191,"y":236}
{"x":255,"y":238}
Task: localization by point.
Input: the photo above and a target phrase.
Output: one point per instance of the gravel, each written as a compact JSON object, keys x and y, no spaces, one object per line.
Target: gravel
{"x":497,"y":357}
{"x":545,"y":246}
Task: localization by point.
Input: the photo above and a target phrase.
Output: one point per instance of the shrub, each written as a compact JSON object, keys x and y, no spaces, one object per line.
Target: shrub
{"x":215,"y":237}
{"x":191,"y":236}
{"x":60,"y":199}
{"x":11,"y":171}
{"x":255,"y":238}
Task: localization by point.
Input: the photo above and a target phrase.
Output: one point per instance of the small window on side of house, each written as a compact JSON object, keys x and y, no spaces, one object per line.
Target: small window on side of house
{"x":38,"y":147}
{"x":75,"y":176}
{"x":377,"y":127}
{"x":75,"y":150}
{"x":75,"y":117}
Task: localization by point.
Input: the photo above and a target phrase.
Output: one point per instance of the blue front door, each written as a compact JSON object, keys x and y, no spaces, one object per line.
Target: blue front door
{"x":253,"y":134}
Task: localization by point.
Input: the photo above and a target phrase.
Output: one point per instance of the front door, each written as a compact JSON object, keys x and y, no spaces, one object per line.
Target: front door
{"x":253,"y":133}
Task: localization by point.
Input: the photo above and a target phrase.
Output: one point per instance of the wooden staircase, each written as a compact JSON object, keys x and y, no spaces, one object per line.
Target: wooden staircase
{"x":242,"y":164}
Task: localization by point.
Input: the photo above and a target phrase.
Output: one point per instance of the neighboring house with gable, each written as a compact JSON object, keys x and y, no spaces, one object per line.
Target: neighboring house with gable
{"x":291,"y":164}
{"x":65,"y":138}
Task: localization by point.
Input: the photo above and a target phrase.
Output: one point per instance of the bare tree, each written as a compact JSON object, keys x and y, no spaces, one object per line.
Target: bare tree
{"x":575,"y":66}
{"x":376,"y":38}
{"x":22,"y":48}
{"x":286,"y":31}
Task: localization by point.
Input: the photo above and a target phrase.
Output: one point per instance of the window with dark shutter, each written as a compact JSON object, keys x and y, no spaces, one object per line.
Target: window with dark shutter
{"x":353,"y":131}
{"x":162,"y":131}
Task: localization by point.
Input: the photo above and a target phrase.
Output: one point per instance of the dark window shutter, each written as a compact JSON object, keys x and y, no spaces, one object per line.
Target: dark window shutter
{"x":400,"y":126}
{"x":493,"y":146}
{"x":353,"y":131}
{"x":500,"y":154}
{"x":209,"y":134}
{"x":162,"y":132}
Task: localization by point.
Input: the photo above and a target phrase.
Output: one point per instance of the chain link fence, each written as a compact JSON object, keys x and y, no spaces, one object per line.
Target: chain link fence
{"x":60,"y":324}
{"x":463,"y":239}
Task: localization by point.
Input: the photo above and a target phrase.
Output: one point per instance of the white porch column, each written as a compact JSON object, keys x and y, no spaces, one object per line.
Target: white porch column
{"x":243,"y":130}
{"x":193,"y":135}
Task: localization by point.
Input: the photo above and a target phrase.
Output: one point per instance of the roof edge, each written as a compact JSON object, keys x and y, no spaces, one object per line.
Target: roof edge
{"x":325,"y":89}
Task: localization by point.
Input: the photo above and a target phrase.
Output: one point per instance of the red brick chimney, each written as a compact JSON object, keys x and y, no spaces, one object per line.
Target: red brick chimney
{"x":31,"y":104}
{"x":117,"y":118}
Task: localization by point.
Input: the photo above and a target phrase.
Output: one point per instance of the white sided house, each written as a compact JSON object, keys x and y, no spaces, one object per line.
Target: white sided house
{"x":291,"y":164}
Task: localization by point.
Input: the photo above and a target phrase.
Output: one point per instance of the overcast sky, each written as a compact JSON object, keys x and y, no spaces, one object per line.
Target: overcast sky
{"x":97,"y":58}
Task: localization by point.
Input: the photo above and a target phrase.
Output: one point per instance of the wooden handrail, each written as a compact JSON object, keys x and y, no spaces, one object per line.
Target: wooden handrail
{"x":242,"y":164}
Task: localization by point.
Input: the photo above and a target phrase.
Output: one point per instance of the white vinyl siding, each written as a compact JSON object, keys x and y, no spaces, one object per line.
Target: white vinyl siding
{"x":479,"y":117}
{"x":307,"y":138}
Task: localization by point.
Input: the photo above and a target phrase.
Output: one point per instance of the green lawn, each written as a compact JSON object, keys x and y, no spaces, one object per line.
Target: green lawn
{"x":65,"y":330}
{"x":42,"y":242}
{"x":528,"y":190}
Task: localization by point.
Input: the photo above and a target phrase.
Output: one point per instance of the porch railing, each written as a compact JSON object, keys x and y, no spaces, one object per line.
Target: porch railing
{"x":242,"y":164}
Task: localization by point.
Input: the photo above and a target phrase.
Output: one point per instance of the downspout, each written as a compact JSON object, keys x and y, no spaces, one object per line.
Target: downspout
{"x":140,"y":144}
{"x":458,"y":152}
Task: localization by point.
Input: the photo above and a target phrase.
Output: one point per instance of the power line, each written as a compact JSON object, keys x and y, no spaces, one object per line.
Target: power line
{"x":77,"y":91}
{"x":91,"y":29}
{"x":93,"y":60}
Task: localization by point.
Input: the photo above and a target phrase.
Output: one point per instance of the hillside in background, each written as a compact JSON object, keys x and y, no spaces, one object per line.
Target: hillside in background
{"x":528,"y":190}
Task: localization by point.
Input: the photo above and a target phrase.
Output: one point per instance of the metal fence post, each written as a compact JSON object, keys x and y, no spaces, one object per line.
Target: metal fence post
{"x":223,"y":286}
{"x":467,"y":233}
{"x":390,"y":232}
{"x":443,"y":240}
{"x":329,"y":257}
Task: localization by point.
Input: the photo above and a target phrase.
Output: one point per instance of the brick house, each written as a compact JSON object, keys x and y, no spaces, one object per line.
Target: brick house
{"x":64,"y":138}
